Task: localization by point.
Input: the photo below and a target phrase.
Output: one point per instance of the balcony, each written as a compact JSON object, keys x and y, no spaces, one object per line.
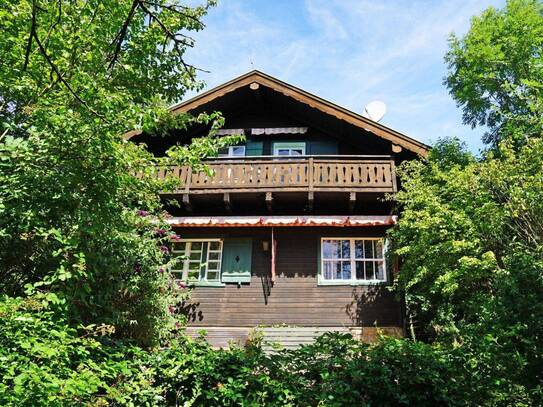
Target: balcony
{"x":349,"y":174}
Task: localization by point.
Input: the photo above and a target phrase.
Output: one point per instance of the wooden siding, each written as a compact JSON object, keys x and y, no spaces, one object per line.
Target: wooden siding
{"x":295,"y":298}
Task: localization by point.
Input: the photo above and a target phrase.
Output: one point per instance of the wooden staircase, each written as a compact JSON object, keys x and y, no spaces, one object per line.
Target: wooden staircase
{"x":293,"y":337}
{"x":272,"y":338}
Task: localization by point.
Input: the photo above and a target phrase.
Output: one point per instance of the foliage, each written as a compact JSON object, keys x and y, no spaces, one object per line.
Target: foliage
{"x":80,"y":214}
{"x":471,"y":239}
{"x":44,"y":362}
{"x":496,"y":71}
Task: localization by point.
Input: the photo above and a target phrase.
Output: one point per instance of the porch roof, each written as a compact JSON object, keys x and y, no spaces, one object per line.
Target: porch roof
{"x":269,"y":221}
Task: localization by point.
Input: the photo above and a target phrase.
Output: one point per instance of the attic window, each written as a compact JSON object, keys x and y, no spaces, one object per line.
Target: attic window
{"x":290,"y":149}
{"x":232,"y":151}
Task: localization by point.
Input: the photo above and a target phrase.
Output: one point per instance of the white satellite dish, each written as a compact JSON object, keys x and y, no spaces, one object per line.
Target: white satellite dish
{"x":375,"y":110}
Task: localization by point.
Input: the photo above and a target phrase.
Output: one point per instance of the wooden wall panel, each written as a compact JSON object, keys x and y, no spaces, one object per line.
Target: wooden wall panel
{"x":295,"y":298}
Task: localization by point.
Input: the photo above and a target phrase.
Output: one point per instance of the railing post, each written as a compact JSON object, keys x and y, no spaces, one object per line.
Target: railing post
{"x":188,"y":179}
{"x":393,"y":174}
{"x":310,"y":174}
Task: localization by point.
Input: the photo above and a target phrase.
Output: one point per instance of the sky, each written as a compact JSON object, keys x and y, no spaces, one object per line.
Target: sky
{"x":349,"y":52}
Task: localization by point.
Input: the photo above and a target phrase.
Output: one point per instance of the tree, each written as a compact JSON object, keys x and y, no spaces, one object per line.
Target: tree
{"x":81,"y":222}
{"x":471,"y":239}
{"x":495,"y":72}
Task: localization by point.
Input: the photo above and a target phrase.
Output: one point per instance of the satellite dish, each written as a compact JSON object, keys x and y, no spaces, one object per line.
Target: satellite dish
{"x":375,"y":110}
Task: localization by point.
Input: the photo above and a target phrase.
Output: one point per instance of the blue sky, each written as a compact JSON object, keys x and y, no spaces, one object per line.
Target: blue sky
{"x":349,"y":52}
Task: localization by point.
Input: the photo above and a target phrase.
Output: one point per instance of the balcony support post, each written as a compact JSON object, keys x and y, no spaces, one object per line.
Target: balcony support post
{"x":310,"y":200}
{"x":269,"y":201}
{"x":227,"y":203}
{"x":186,"y":203}
{"x":352,"y":201}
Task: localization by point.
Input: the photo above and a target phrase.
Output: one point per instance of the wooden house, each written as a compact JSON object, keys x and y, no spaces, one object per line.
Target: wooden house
{"x":289,"y":230}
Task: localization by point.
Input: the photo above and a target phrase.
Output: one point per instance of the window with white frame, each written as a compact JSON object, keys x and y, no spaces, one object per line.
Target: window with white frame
{"x":199,"y":260}
{"x":232,"y":151}
{"x":353,"y":260}
{"x":289,"y":149}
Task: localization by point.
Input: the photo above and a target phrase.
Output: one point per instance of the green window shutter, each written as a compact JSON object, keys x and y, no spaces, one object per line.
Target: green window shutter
{"x":254,"y":148}
{"x":328,"y":147}
{"x":236,"y":260}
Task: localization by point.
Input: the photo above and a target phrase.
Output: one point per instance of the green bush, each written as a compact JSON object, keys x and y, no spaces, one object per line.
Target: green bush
{"x":43,"y":362}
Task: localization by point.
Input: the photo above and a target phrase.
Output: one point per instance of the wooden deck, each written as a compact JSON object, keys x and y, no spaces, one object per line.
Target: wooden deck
{"x":273,"y":174}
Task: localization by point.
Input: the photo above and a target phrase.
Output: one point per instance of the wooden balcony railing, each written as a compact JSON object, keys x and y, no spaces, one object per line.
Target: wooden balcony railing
{"x":273,"y":174}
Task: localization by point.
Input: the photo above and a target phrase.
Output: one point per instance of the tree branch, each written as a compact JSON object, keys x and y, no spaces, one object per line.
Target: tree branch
{"x":176,"y":9}
{"x":121,"y":35}
{"x":30,"y":36}
{"x":173,"y":37}
{"x":60,"y":76}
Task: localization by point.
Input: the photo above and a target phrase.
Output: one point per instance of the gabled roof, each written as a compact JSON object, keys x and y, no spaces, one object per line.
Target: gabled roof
{"x":304,"y":97}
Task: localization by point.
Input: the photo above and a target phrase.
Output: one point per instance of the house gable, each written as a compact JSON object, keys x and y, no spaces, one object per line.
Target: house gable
{"x":259,"y":100}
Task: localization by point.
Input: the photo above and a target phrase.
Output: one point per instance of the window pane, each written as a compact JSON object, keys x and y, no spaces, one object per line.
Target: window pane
{"x":346,"y":269}
{"x":359,"y":249}
{"x":214,"y":245}
{"x":368,"y":249}
{"x":196,"y":246}
{"x":214,"y":256}
{"x":331,"y":249}
{"x":345,"y":249}
{"x":360,"y":270}
{"x":380,"y":270}
{"x":194,"y":275}
{"x":178,"y":264}
{"x":223,"y":152}
{"x":296,"y":151}
{"x":238,"y":151}
{"x":328,"y":270}
{"x":369,"y":270}
{"x":213,"y":265}
{"x":195,"y":255}
{"x":379,"y":252}
{"x":283,"y":151}
{"x":212,"y":275}
{"x":337,"y":271}
{"x":179,"y":247}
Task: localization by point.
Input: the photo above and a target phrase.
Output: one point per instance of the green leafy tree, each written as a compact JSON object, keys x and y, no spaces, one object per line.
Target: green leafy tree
{"x":80,"y":214}
{"x":471,"y":240}
{"x":495,"y":72}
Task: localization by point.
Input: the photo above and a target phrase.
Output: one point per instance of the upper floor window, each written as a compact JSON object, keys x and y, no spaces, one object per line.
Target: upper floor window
{"x":200,"y":260}
{"x":289,"y":149}
{"x":232,"y":151}
{"x":353,"y":260}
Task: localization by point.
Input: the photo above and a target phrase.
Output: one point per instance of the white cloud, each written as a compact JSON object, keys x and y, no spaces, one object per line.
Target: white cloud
{"x":347,"y":51}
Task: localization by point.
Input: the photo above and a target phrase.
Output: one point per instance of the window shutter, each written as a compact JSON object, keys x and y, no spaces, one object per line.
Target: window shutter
{"x":236,"y":260}
{"x":254,"y":148}
{"x":324,"y":147}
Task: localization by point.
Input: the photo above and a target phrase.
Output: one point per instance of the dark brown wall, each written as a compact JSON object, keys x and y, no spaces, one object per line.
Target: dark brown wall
{"x":295,"y":299}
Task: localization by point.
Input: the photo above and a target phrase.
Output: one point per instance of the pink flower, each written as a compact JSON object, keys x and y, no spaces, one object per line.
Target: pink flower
{"x":161,"y":232}
{"x":141,"y":212}
{"x":177,"y":325}
{"x":164,"y":249}
{"x":174,"y":237}
{"x":171,"y":309}
{"x":161,"y":270}
{"x":181,"y":285}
